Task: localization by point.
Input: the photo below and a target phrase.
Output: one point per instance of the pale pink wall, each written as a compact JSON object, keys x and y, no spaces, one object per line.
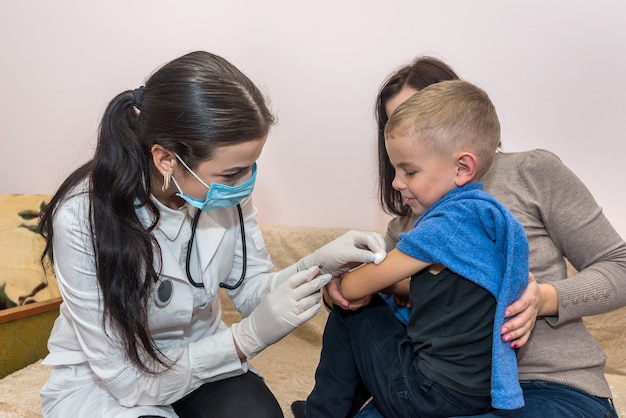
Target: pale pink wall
{"x":555,"y":71}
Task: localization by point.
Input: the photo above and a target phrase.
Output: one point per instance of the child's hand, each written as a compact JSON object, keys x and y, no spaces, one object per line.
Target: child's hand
{"x":333,"y":290}
{"x":402,"y":301}
{"x":400,"y":292}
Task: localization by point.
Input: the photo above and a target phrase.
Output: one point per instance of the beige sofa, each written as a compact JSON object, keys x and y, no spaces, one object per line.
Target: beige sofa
{"x":288,"y":366}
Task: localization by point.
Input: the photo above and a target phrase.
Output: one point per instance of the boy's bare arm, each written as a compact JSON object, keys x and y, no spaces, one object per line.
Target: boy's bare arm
{"x":371,"y":278}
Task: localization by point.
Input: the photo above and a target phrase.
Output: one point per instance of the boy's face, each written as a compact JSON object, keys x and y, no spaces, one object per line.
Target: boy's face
{"x":422,"y":175}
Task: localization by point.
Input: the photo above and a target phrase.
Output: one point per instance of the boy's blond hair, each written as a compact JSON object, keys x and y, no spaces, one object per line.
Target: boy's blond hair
{"x":450,"y":117}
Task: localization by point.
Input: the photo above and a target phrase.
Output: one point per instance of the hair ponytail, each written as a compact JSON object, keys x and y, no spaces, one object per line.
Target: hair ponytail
{"x":119,"y":183}
{"x":118,"y":176}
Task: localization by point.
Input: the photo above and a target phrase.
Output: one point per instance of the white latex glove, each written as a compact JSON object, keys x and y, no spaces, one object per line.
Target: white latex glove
{"x":346,"y":252}
{"x":285,"y":308}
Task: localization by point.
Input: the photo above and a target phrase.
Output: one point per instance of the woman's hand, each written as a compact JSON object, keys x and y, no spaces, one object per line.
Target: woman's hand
{"x":332,"y":291}
{"x":346,"y":252}
{"x":523,"y":314}
{"x":291,"y":304}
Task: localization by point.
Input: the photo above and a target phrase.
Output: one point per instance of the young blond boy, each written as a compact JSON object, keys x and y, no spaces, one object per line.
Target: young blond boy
{"x":467,"y":257}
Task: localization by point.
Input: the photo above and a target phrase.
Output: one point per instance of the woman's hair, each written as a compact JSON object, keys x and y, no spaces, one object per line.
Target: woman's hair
{"x":421,"y":73}
{"x":193,"y":105}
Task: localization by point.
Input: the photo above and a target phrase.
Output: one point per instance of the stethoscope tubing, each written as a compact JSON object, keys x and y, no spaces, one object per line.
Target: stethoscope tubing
{"x":243,"y":244}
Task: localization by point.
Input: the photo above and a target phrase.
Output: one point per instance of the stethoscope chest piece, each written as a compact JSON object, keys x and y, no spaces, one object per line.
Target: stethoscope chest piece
{"x":164,"y":293}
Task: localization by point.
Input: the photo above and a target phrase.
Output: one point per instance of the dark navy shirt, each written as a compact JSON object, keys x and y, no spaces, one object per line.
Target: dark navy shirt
{"x":451,"y":328}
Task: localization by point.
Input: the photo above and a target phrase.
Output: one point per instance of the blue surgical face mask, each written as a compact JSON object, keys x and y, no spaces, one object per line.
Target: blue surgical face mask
{"x":218,"y":195}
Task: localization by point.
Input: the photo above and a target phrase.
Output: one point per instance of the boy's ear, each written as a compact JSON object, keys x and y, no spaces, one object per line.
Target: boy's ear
{"x":467,"y":164}
{"x":164,"y":160}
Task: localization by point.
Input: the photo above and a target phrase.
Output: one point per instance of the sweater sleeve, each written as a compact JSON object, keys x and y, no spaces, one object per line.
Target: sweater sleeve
{"x":395,"y":227}
{"x":581,"y":232}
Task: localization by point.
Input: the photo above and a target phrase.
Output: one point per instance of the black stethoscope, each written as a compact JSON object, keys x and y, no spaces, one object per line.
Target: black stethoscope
{"x":243,"y":244}
{"x":165,"y":289}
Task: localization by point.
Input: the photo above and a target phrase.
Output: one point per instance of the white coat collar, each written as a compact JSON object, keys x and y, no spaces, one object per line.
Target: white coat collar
{"x":171,"y":221}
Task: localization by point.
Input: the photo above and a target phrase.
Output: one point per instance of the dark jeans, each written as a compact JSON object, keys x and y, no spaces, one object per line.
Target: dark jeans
{"x":367,"y":352}
{"x":542,"y":400}
{"x":236,"y":397}
{"x":559,"y":401}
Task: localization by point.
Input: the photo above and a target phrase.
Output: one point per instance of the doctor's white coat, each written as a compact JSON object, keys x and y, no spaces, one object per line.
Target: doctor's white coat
{"x":90,"y":374}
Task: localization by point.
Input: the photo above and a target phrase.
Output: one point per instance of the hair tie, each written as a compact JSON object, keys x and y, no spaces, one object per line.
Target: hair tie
{"x":137,"y":96}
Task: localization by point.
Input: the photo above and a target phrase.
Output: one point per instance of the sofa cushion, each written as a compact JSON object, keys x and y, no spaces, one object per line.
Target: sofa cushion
{"x":609,"y":330}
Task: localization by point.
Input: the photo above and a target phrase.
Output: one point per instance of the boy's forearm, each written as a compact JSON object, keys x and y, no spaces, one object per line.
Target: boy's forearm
{"x":371,"y":278}
{"x":353,"y":285}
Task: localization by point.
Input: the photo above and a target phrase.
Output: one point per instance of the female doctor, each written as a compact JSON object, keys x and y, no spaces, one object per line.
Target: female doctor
{"x":144,"y":234}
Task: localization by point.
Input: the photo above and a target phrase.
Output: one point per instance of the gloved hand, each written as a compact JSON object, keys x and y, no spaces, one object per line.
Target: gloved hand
{"x":346,"y":252}
{"x":285,"y":308}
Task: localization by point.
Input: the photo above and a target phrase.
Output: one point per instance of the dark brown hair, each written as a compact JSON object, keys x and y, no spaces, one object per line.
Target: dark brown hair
{"x":421,"y":73}
{"x":192,"y":105}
